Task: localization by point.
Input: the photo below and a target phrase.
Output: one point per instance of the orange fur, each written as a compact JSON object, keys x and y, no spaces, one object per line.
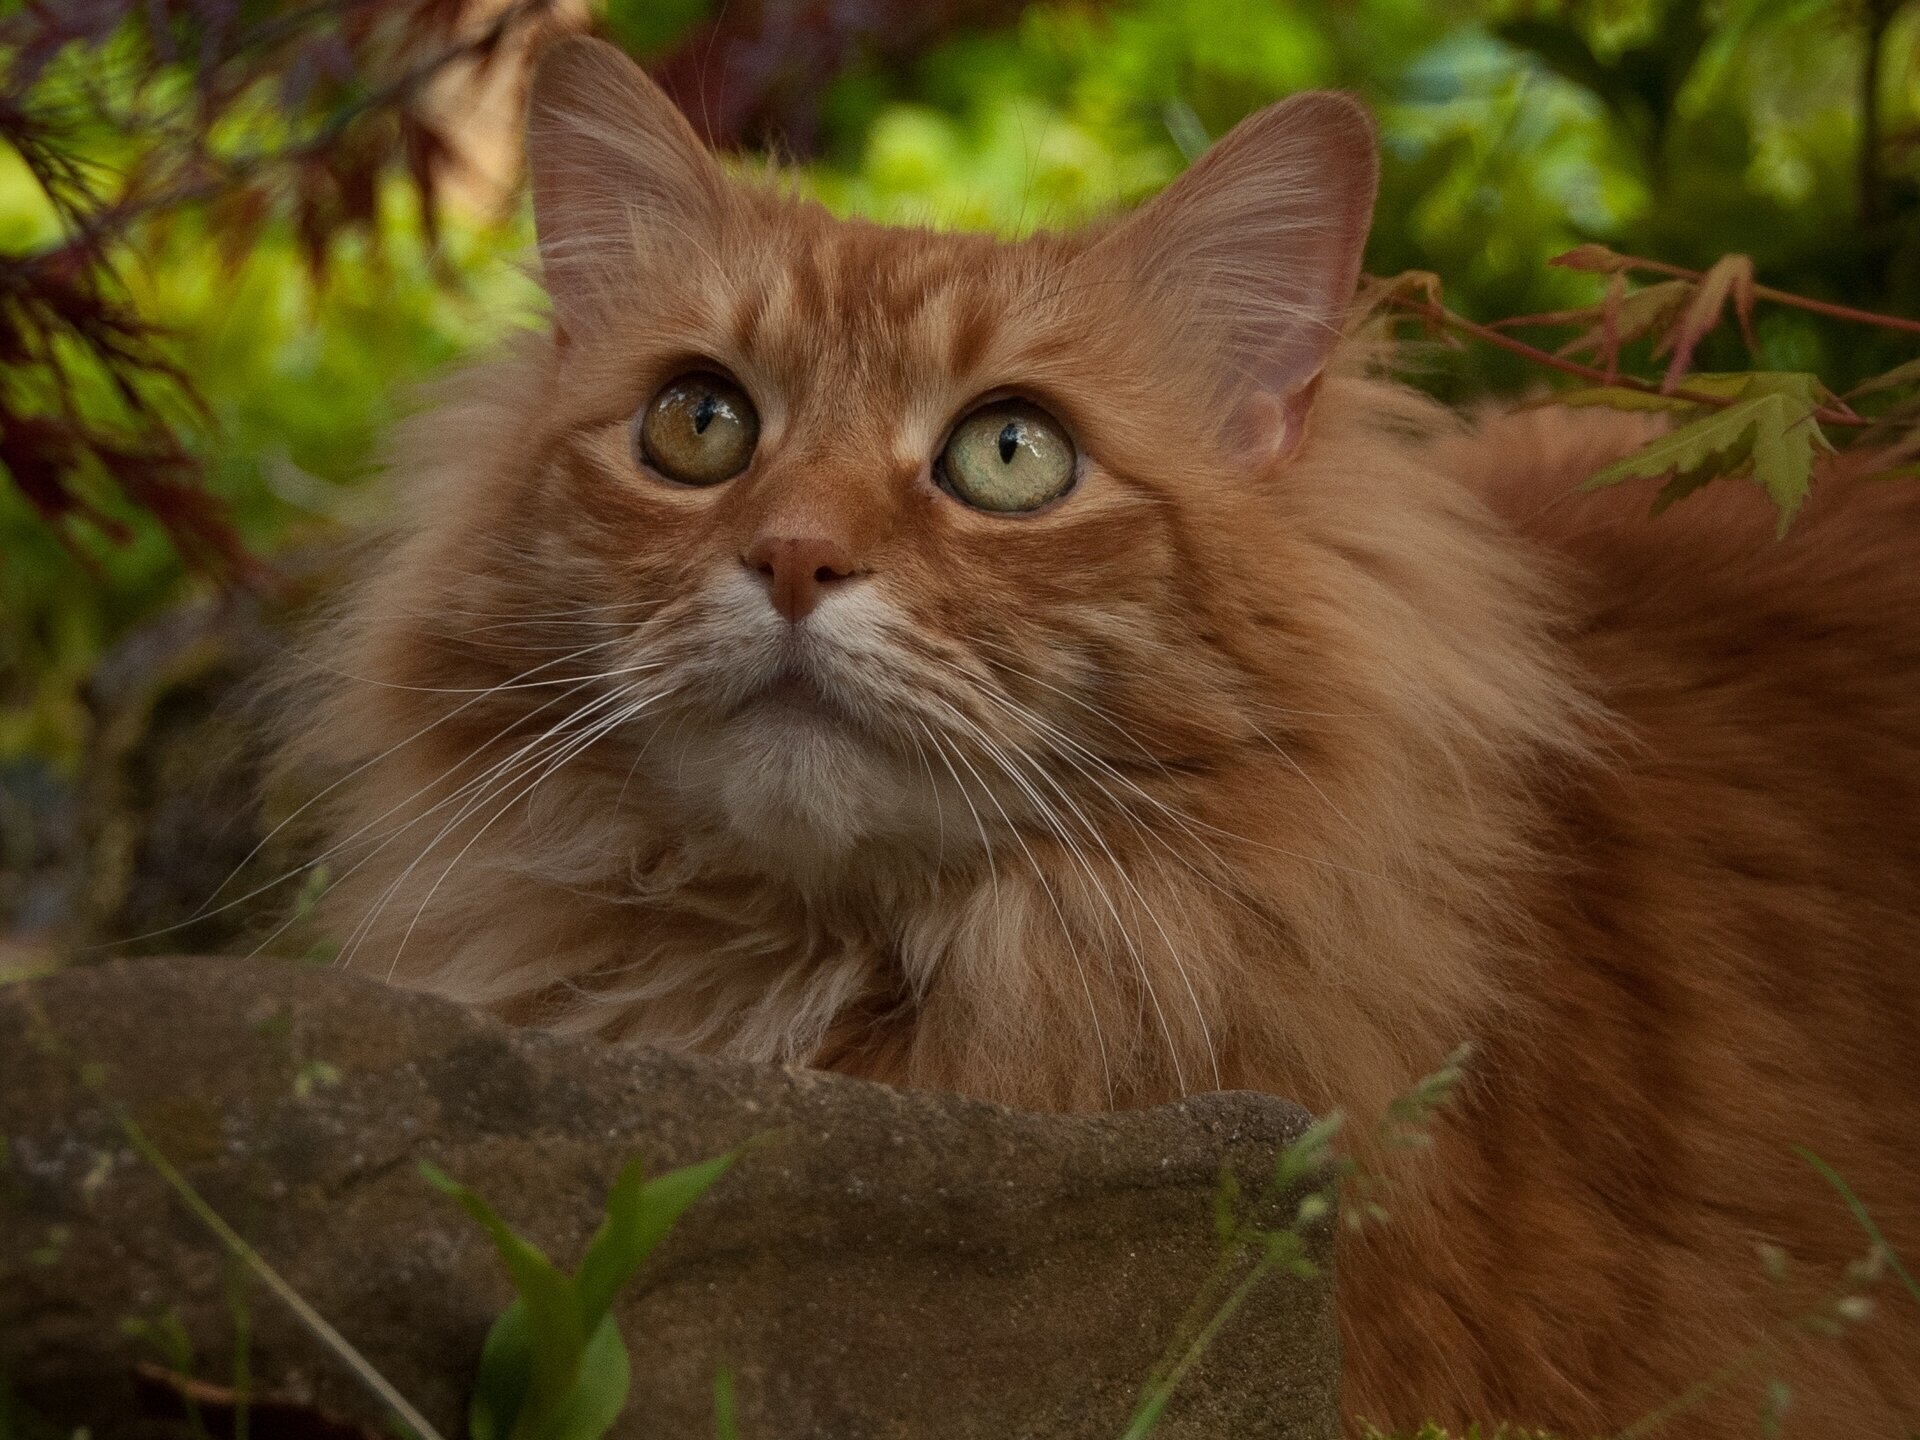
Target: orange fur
{"x":1313,"y":732}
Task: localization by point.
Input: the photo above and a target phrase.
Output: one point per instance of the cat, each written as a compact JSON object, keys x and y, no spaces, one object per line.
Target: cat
{"x":1069,"y":672}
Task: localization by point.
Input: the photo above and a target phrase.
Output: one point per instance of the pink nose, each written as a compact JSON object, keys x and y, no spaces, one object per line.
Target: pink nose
{"x":798,"y":570}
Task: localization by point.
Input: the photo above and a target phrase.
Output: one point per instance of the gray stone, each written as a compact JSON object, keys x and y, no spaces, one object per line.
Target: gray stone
{"x":881,"y":1264}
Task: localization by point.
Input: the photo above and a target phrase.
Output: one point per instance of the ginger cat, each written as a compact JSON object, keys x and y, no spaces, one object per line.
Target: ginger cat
{"x":1062,"y":672}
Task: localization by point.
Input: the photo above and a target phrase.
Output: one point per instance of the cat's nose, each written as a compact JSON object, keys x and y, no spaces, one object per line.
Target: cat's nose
{"x":798,"y":569}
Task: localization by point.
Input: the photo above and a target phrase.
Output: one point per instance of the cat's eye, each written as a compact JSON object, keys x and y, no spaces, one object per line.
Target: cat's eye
{"x":699,"y":430}
{"x":1008,"y":456}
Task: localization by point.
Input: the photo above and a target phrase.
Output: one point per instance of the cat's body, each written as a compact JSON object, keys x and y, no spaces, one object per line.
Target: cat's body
{"x":1306,"y":735}
{"x":1730,"y":967}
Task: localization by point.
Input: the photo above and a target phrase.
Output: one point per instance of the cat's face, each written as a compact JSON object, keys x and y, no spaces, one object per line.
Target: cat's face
{"x":885,"y":536}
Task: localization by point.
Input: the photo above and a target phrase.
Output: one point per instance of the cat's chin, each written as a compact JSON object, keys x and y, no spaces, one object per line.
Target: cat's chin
{"x":795,"y":699}
{"x":794,"y":777}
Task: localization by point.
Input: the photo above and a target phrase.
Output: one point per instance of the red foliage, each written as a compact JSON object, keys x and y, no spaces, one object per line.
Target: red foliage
{"x":756,"y":73}
{"x":349,"y":83}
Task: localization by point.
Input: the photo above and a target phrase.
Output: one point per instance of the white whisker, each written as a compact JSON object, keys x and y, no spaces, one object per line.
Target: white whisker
{"x":1066,"y":929}
{"x":577,"y":745}
{"x":203,"y":912}
{"x":1048,"y":814}
{"x":986,"y":844}
{"x":496,"y":777}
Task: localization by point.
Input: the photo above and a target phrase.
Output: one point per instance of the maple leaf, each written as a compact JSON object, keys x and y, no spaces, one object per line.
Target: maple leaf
{"x":1422,"y":283}
{"x":1769,"y":431}
{"x":1900,"y":375}
{"x":1731,"y":276}
{"x":1417,"y":294}
{"x":1623,"y":318}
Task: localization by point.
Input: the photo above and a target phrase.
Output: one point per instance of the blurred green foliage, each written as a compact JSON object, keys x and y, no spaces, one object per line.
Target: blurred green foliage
{"x":1511,"y":131}
{"x":300,"y":377}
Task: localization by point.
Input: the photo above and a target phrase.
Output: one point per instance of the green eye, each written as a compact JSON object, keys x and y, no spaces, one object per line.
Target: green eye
{"x":699,"y":430}
{"x":1008,"y":456}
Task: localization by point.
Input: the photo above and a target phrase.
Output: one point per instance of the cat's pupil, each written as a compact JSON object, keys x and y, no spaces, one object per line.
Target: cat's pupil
{"x":703,"y":413}
{"x":1009,"y":441}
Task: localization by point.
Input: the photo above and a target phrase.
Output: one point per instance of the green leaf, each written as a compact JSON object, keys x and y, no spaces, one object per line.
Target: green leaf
{"x":1774,"y":1408}
{"x":1721,"y":386}
{"x":554,"y":1366}
{"x":1309,"y":1154}
{"x":1187,"y":131}
{"x":638,"y":1216}
{"x":1282,"y":1246}
{"x":506,"y":1375}
{"x":1770,"y":431}
{"x":556,"y":1338}
{"x":593,"y":1403}
{"x":1739,"y":384}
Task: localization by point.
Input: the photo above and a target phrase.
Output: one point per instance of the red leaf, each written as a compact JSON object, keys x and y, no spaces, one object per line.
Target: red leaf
{"x":1730,"y":275}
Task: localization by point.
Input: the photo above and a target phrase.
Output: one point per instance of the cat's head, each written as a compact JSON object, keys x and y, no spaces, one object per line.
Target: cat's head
{"x":890,"y":536}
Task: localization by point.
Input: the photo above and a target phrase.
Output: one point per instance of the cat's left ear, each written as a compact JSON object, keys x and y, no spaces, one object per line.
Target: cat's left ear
{"x":1258,"y":246}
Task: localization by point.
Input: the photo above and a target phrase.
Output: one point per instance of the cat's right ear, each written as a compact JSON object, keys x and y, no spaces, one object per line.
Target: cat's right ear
{"x":618,"y":176}
{"x":1257,"y":247}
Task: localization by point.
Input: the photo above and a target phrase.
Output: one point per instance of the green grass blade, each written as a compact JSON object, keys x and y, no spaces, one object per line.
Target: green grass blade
{"x":361,"y":1367}
{"x":556,"y":1335}
{"x":1147,"y":1418}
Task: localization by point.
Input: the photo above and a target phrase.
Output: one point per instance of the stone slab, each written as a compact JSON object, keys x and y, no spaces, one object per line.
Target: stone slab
{"x":880,"y":1264}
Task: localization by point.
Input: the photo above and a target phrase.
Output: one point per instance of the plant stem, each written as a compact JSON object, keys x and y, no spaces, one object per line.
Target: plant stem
{"x":1148,"y":1414}
{"x":1440,"y":315}
{"x":1832,"y":1177}
{"x":95,"y":1084}
{"x":1783,"y":297}
{"x":1196,"y":1308}
{"x":1701,"y":1390}
{"x":236,"y":1244}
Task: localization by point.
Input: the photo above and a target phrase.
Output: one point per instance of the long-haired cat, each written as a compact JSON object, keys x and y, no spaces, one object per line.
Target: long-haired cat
{"x":1061,"y":672}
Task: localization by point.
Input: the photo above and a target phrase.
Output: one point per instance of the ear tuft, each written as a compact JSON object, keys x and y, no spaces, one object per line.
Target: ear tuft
{"x":1260,"y":244}
{"x":616,"y":169}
